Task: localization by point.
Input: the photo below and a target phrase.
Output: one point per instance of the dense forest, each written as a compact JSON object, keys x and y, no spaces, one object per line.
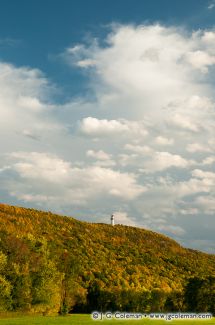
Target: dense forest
{"x":56,"y":264}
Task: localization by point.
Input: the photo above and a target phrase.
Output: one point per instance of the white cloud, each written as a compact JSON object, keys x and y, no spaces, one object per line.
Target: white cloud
{"x":100,"y":155}
{"x":200,"y":60}
{"x":125,"y":160}
{"x":206,"y":203}
{"x":198,"y":173}
{"x":148,"y":109}
{"x":75,"y":184}
{"x":36,"y":165}
{"x":195,"y":104}
{"x":95,"y":127}
{"x":184,"y":122}
{"x":199,"y":182}
{"x":102,"y":127}
{"x":198,"y":147}
{"x":208,"y":37}
{"x":103,"y":159}
{"x":33,"y":198}
{"x":158,"y":65}
{"x":25,"y":108}
{"x":30,"y":103}
{"x":123,"y":219}
{"x":155,"y":160}
{"x":139,"y":149}
{"x":30,"y":134}
{"x":208,"y":160}
{"x":164,"y":141}
{"x":189,"y":211}
{"x":163,"y":160}
{"x":86,"y":63}
{"x":105,"y":163}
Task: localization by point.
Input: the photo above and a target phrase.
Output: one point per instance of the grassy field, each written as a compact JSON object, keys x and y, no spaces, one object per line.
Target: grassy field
{"x":86,"y":320}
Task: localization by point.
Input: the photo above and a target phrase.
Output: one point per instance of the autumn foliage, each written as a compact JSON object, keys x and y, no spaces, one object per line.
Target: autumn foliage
{"x":56,"y":264}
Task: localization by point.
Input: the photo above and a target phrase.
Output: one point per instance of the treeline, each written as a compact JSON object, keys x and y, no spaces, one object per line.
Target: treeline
{"x":198,"y":295}
{"x":52,"y":264}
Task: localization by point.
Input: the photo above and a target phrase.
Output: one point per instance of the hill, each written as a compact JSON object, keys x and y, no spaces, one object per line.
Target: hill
{"x":51,"y":263}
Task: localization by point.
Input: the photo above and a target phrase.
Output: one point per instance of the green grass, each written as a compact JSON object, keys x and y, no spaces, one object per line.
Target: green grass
{"x":86,"y":320}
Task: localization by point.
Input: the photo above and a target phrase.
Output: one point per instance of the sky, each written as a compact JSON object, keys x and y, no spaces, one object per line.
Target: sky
{"x":108,"y":107}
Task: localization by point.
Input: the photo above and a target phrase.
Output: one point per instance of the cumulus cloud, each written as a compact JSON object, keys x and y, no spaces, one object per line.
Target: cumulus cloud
{"x":208,"y":160}
{"x":95,"y":127}
{"x":139,"y":149}
{"x":100,"y":155}
{"x":208,"y":37}
{"x":198,"y":147}
{"x":44,"y":173}
{"x":102,"y":127}
{"x":206,"y":204}
{"x":142,"y":135}
{"x":198,"y":173}
{"x":164,"y":160}
{"x":102,"y":158}
{"x":161,"y":65}
{"x":200,"y":60}
{"x":184,"y":122}
{"x":122,"y":218}
{"x":30,"y":103}
{"x":163,"y":141}
{"x":36,"y":165}
{"x":26,"y":108}
{"x":156,"y":160}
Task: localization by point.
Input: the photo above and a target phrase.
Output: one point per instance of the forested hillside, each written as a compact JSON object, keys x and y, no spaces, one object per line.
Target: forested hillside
{"x":51,"y":263}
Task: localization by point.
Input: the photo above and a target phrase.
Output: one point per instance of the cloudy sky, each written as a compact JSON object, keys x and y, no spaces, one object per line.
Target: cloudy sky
{"x":109,"y":107}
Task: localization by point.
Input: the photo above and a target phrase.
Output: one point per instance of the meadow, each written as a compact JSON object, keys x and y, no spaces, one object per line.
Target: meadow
{"x":86,"y":320}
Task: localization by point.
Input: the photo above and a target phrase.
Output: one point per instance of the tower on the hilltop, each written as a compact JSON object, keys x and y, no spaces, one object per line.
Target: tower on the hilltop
{"x":112,"y":220}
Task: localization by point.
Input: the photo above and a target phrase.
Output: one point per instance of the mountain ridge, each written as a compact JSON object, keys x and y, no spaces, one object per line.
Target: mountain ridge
{"x":98,"y":260}
{"x":9,"y":207}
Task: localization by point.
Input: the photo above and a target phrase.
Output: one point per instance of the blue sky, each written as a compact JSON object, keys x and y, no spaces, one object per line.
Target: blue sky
{"x":35,"y":32}
{"x":108,"y":107}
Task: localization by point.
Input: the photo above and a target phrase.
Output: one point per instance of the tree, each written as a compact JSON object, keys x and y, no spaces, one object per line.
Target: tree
{"x":71,"y":292}
{"x":45,"y":279}
{"x":5,"y":286}
{"x":200,"y":294}
{"x":175,"y":301}
{"x":158,"y":299}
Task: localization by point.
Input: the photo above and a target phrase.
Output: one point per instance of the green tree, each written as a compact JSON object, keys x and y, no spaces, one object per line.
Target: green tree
{"x":5,"y":286}
{"x":45,"y":279}
{"x":175,"y":301}
{"x":158,"y":299}
{"x":71,"y":292}
{"x":200,"y":294}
